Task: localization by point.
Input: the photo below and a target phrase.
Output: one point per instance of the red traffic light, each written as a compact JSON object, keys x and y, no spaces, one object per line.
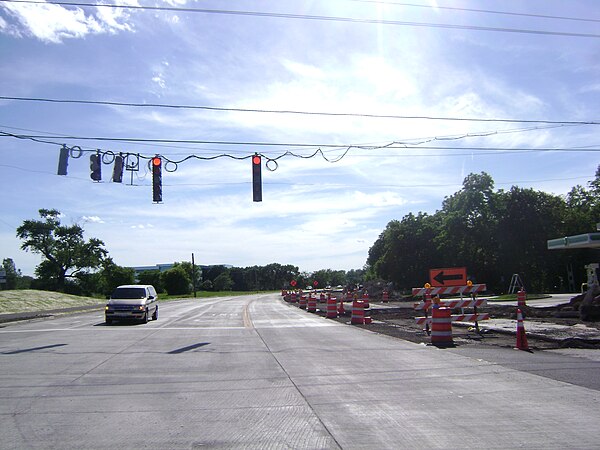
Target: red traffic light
{"x":256,"y":159}
{"x":156,"y":161}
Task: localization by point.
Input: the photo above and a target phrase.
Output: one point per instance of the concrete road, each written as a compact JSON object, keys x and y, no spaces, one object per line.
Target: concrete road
{"x":254,"y":372}
{"x":551,"y":300}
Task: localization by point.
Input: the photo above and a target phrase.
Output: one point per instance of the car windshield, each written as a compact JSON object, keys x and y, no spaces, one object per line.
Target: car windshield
{"x":130,"y":293}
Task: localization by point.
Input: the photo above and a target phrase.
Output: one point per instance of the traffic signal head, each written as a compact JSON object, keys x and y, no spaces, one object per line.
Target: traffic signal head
{"x":63,"y":160}
{"x":256,"y":178}
{"x":95,"y":167}
{"x":156,"y":164}
{"x":118,"y":169}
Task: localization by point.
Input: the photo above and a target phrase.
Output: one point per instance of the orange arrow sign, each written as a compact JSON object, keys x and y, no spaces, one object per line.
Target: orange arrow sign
{"x":455,"y":276}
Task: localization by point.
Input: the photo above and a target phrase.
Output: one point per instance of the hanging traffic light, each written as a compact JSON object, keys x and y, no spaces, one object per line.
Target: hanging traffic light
{"x":95,"y":167}
{"x":156,"y":179}
{"x":63,"y":160}
{"x":118,"y":169}
{"x":256,"y":178}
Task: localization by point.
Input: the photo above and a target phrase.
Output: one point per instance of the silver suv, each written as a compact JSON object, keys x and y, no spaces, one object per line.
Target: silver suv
{"x":134,"y":301}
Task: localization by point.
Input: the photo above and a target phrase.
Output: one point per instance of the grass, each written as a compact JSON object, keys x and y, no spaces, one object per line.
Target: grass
{"x":30,"y":300}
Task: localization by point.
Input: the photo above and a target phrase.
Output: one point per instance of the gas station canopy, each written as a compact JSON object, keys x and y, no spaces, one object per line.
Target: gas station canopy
{"x":589,"y":240}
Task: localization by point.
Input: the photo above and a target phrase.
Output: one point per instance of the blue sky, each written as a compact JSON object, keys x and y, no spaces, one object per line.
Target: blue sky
{"x":315,"y":214}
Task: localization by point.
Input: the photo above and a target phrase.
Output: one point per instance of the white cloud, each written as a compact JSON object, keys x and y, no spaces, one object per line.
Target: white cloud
{"x":53,"y":23}
{"x":141,"y":226}
{"x":92,"y":219}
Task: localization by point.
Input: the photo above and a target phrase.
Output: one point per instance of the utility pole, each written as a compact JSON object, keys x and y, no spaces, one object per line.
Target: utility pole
{"x":194,"y":275}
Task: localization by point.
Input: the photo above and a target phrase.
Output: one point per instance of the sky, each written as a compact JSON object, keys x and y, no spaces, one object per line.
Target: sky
{"x":404,"y":100}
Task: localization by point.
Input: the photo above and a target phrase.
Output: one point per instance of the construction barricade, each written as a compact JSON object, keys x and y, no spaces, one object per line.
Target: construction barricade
{"x":433,"y":303}
{"x":312,"y":304}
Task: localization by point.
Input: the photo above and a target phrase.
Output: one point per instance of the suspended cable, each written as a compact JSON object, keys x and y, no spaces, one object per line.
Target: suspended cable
{"x":310,"y":113}
{"x":310,"y":17}
{"x":483,"y":11}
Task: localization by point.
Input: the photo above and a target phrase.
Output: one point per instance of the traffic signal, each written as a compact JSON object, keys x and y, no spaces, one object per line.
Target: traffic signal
{"x":63,"y":160}
{"x":256,"y":178}
{"x":118,"y":169}
{"x":95,"y":167}
{"x":156,"y":179}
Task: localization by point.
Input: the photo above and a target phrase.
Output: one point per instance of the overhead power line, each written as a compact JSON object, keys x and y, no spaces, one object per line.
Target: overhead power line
{"x":482,"y":11}
{"x":309,"y":113}
{"x":53,"y":139}
{"x":311,"y":17}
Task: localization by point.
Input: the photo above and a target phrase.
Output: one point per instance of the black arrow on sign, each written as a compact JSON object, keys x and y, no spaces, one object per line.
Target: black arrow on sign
{"x":441,"y":278}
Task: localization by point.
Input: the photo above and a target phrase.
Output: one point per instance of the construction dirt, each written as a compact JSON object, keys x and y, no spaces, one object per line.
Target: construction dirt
{"x":397,"y":319}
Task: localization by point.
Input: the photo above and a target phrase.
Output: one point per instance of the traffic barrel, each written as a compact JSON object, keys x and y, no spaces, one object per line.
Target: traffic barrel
{"x":367,"y":307}
{"x":358,"y":313}
{"x":341,"y":310}
{"x":522,"y":343}
{"x":332,"y":308}
{"x":365,"y":299}
{"x":294,"y":297}
{"x":302,"y":304}
{"x":312,"y":304}
{"x":441,"y":327}
{"x":385,"y":296}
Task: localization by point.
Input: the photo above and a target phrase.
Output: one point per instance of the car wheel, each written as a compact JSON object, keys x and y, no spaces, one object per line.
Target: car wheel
{"x":145,"y":318}
{"x":108,"y":321}
{"x":155,"y":315}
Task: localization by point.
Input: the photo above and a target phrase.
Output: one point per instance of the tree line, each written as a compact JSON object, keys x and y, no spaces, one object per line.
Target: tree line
{"x":494,"y":234}
{"x":74,"y":265}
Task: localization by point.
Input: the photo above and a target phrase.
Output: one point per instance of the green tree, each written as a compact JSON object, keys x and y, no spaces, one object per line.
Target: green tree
{"x":206,"y":285}
{"x":526,"y":220}
{"x":152,"y":277}
{"x":176,"y":281}
{"x":467,"y":236}
{"x":405,"y":250}
{"x":12,"y":274}
{"x":191,"y":271}
{"x":112,"y":275}
{"x":223,"y":282}
{"x":328,"y":277}
{"x":354,"y":277}
{"x":65,"y":253}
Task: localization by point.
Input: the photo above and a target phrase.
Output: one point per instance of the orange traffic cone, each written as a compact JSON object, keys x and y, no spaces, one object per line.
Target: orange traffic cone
{"x":521,"y":334}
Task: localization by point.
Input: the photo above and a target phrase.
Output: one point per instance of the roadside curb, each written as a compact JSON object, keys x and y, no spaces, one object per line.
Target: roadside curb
{"x":14,"y":317}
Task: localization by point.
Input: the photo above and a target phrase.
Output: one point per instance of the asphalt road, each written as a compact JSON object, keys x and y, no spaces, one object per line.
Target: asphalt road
{"x":254,"y":372}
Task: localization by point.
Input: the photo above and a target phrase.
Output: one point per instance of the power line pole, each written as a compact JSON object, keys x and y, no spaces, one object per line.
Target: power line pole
{"x":194,"y":275}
